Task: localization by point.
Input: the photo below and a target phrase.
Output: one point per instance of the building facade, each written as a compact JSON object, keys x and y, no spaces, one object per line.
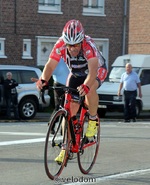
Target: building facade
{"x":139,"y":26}
{"x":29,"y":29}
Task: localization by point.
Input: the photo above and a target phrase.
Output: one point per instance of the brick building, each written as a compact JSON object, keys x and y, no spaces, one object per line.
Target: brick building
{"x":28,"y":29}
{"x":139,"y":26}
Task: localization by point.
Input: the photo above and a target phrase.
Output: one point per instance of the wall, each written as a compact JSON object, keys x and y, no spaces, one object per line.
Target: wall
{"x":22,"y":21}
{"x":139,"y":26}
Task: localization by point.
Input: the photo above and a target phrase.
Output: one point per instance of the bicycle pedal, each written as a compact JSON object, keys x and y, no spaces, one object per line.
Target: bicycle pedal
{"x":70,"y":156}
{"x":59,"y":163}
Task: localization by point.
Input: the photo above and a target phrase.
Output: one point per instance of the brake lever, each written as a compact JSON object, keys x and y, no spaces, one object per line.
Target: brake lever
{"x":42,"y":95}
{"x":42,"y":91}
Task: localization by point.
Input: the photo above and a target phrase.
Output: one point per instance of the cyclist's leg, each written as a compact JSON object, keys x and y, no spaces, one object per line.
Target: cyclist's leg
{"x":92,"y":99}
{"x":92,"y":102}
{"x":63,"y":132}
{"x":74,"y":82}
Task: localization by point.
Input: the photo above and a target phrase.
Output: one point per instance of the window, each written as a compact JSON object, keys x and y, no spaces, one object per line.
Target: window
{"x":116,"y":72}
{"x":145,"y":77}
{"x":49,"y":6}
{"x":2,"y":48}
{"x":103,"y":46}
{"x":27,"y":75}
{"x":45,"y":46}
{"x":21,"y":76}
{"x":93,"y":7}
{"x":15,"y":74}
{"x":27,"y":49}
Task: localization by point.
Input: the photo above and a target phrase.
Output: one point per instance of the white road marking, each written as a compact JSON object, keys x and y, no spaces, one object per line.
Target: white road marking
{"x":23,"y":133}
{"x":24,"y":141}
{"x":115,"y":176}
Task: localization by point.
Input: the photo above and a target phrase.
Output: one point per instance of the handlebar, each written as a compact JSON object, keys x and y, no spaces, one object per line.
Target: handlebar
{"x":66,"y":89}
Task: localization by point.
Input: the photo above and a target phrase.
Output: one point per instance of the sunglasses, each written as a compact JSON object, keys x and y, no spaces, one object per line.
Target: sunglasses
{"x":74,"y":45}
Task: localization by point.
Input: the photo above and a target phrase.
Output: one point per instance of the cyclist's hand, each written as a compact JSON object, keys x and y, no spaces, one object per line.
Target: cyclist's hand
{"x":83,"y":89}
{"x":40,"y":84}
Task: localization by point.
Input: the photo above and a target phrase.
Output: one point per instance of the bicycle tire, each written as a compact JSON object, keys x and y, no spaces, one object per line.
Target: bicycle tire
{"x":89,"y":149}
{"x":53,"y":145}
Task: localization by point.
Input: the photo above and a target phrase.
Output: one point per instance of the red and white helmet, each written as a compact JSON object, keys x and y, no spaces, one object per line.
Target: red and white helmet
{"x":73,"y":32}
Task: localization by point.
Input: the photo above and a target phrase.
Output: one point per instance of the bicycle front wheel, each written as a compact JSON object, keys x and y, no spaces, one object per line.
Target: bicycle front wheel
{"x":88,"y":149}
{"x":56,"y":137}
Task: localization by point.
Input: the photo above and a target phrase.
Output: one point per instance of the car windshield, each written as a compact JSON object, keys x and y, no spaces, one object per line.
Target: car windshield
{"x":116,"y":72}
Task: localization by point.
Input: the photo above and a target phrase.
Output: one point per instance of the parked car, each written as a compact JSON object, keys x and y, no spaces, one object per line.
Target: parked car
{"x":28,"y":94}
{"x":108,"y":99}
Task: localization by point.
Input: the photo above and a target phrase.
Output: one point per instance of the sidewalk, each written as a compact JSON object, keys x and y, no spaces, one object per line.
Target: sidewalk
{"x":110,"y":116}
{"x":40,"y":116}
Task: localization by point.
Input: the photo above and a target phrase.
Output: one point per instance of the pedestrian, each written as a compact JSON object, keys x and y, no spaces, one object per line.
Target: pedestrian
{"x":11,"y":95}
{"x":87,"y":70}
{"x":130,"y":82}
{"x":1,"y":89}
{"x":60,"y":75}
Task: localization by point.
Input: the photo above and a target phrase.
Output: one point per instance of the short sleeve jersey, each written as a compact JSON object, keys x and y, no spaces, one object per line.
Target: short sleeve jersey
{"x":78,"y":65}
{"x":130,"y":81}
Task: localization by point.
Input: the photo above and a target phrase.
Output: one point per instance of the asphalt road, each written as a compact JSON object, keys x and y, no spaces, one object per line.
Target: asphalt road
{"x":123,"y":159}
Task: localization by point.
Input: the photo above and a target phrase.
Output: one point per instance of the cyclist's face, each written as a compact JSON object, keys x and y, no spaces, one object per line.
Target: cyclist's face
{"x":74,"y":49}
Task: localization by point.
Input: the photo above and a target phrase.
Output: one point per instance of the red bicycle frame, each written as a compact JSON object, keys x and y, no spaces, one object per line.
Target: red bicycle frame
{"x":76,"y":146}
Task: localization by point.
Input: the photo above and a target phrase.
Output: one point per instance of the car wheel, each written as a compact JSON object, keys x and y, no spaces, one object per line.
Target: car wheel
{"x":27,"y":109}
{"x":138,"y":109}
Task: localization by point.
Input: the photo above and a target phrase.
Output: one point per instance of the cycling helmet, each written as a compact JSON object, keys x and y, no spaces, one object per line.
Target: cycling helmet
{"x":73,"y":32}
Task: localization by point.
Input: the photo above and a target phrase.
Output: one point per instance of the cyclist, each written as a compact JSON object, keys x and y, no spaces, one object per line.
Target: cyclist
{"x":87,"y":70}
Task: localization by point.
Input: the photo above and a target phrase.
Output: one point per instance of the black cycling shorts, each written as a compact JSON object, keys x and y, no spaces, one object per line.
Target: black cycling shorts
{"x":75,"y":82}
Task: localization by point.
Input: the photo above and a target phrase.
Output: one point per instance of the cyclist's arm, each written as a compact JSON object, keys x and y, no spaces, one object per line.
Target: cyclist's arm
{"x":48,"y":69}
{"x":47,"y":73}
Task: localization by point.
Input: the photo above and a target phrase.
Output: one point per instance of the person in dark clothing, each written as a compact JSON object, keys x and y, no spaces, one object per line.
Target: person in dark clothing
{"x":1,"y":84}
{"x":11,"y":95}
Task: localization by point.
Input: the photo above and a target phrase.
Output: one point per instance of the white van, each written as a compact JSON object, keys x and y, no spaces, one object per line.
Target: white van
{"x":108,"y":99}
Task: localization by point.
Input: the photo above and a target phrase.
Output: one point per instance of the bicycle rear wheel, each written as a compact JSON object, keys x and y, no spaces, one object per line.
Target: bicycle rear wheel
{"x":53,"y":144}
{"x":89,"y":149}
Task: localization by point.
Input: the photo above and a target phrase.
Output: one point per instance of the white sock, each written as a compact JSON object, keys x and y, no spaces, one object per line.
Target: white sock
{"x":92,"y":117}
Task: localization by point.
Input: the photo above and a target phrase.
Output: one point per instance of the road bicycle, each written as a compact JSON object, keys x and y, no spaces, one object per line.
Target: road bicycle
{"x":71,"y":136}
